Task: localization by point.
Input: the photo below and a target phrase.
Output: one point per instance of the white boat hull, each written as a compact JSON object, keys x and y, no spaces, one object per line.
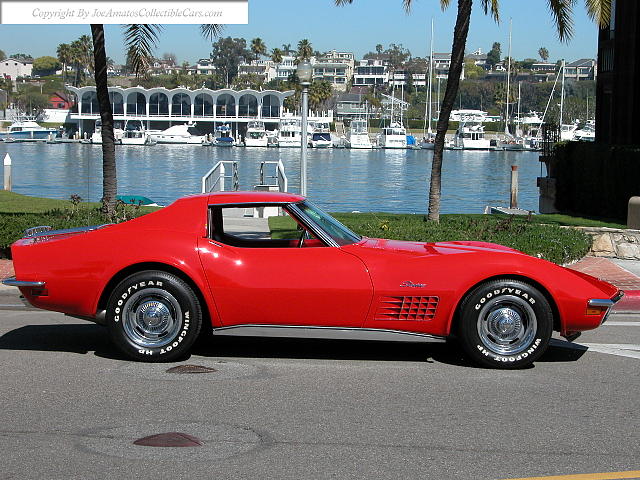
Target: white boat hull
{"x":359,"y":141}
{"x":289,"y":142}
{"x":255,"y":142}
{"x":192,"y":140}
{"x":393,"y":141}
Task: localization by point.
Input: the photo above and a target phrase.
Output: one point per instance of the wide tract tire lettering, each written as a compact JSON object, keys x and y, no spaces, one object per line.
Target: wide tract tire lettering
{"x":505,"y":323}
{"x":153,"y":316}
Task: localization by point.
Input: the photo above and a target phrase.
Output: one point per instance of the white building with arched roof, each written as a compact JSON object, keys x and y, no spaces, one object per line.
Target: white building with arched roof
{"x":160,"y":108}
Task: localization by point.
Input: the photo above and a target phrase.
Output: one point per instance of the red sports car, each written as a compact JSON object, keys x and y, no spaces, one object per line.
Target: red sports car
{"x":157,"y":280}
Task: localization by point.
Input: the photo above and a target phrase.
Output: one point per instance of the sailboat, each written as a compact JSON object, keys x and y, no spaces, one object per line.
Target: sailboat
{"x":509,"y":142}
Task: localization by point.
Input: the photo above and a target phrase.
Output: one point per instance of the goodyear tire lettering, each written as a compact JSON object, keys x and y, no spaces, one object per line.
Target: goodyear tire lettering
{"x":189,"y":319}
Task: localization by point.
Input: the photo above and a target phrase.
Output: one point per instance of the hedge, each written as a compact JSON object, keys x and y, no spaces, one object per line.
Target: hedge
{"x":551,"y":242}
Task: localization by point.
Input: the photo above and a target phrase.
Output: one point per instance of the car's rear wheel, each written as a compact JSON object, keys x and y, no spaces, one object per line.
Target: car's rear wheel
{"x":154,"y":316}
{"x":505,"y":324}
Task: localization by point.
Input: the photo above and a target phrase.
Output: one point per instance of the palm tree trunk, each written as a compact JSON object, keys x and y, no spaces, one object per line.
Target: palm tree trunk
{"x":109,"y":179}
{"x":453,"y":82}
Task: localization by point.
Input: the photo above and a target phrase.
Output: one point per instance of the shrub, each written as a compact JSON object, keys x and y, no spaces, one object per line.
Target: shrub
{"x":13,"y":225}
{"x":551,"y":242}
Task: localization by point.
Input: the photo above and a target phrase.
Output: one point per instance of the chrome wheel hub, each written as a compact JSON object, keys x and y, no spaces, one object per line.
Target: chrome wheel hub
{"x":507,"y":325}
{"x":151,"y":318}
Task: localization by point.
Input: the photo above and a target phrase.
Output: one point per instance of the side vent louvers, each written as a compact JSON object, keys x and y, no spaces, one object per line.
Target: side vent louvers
{"x":407,"y":308}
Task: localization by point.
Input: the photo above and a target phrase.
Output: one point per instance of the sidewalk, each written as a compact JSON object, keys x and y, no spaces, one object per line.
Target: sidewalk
{"x":624,"y":274}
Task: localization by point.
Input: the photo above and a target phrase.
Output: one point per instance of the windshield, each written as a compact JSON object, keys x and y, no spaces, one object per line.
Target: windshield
{"x":337,"y":231}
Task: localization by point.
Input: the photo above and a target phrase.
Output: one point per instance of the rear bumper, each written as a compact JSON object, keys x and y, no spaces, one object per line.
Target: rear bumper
{"x":606,"y":303}
{"x":12,"y":282}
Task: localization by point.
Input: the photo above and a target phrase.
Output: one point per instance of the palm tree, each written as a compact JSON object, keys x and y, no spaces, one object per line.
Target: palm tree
{"x":544,"y":53}
{"x":276,"y":58}
{"x":140,"y":40}
{"x":65,"y":56}
{"x":258,"y":47}
{"x":319,"y":92}
{"x":560,"y":11}
{"x":286,"y":48}
{"x":305,"y":51}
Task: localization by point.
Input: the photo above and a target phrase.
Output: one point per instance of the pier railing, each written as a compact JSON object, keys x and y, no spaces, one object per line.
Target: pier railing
{"x":277,"y":174}
{"x":214,"y":179}
{"x":272,"y":174}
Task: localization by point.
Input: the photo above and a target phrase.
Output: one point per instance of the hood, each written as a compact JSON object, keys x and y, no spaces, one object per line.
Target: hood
{"x":438,"y":248}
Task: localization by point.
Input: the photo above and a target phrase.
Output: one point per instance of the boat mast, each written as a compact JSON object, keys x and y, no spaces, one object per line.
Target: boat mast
{"x":393,"y":96}
{"x":562,"y":95}
{"x":401,"y":101}
{"x":506,"y":117}
{"x":429,"y":83}
{"x":519,"y":127}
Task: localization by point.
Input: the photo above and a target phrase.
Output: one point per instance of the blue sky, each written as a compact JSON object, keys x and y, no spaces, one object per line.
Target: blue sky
{"x":357,"y":27}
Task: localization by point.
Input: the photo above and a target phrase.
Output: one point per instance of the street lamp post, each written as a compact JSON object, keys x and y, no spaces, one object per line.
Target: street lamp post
{"x":304,"y":72}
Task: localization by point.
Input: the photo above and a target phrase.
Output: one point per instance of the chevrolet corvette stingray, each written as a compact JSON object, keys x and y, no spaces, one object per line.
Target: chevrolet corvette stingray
{"x":157,"y":280}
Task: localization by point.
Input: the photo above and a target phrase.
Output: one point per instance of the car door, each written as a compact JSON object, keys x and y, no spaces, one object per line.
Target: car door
{"x":278,"y":283}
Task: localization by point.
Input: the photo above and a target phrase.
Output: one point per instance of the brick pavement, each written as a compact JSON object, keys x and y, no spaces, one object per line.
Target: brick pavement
{"x":6,"y":268}
{"x":605,"y":269}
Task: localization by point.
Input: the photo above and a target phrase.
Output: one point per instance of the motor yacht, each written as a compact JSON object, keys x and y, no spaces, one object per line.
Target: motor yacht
{"x":393,"y":136}
{"x":178,"y":134}
{"x":358,"y":134}
{"x":256,"y":135}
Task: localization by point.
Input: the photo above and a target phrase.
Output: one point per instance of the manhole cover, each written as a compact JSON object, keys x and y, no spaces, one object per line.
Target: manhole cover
{"x":213,"y":441}
{"x":170,"y":439}
{"x":191,"y":369}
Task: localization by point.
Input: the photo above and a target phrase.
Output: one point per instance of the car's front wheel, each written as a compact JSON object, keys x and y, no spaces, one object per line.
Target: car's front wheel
{"x":505,"y":324}
{"x":153,"y":316}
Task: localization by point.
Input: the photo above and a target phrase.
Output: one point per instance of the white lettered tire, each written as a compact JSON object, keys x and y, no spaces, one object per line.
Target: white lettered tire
{"x":505,"y":324}
{"x":153,"y":316}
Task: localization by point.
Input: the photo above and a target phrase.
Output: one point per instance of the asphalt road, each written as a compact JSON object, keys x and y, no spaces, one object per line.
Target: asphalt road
{"x":72,"y":408}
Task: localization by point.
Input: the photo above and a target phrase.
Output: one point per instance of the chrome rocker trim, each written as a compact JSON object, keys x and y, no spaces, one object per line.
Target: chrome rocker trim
{"x":329,"y":333}
{"x":12,"y":282}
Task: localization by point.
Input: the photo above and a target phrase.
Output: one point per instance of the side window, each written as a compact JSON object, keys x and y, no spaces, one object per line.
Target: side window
{"x":259,"y":226}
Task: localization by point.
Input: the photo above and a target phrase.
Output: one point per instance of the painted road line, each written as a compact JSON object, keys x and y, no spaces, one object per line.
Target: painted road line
{"x":622,"y":324}
{"x":587,"y":476}
{"x":618,"y":349}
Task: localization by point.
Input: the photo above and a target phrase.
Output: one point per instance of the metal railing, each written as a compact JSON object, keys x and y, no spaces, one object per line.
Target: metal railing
{"x":278,"y":175}
{"x":214,"y":179}
{"x":272,"y":174}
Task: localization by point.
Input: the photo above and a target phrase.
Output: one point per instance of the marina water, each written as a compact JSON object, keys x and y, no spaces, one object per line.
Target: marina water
{"x":338,"y":179}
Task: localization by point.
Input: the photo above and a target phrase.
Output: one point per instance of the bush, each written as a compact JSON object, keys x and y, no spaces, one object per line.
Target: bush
{"x":13,"y":225}
{"x":551,"y":242}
